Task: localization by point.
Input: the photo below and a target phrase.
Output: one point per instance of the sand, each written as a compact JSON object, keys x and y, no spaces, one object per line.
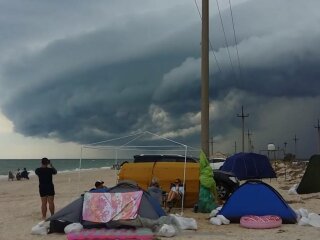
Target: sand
{"x":20,"y":208}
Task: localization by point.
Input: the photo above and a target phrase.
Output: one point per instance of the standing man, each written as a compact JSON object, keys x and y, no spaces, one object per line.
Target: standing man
{"x":46,"y":187}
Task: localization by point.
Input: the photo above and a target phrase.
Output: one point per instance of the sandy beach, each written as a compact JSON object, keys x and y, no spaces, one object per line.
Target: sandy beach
{"x":20,"y":208}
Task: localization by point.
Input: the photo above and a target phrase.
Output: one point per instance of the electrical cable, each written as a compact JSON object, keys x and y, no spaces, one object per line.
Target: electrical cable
{"x":235,"y":38}
{"x":225,"y":37}
{"x":211,"y":47}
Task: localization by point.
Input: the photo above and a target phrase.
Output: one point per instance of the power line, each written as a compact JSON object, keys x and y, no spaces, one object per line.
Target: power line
{"x":235,"y":38}
{"x":225,"y":37}
{"x":211,"y":47}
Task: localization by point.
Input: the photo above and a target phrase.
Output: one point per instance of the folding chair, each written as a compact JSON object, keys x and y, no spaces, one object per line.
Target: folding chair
{"x":174,"y":203}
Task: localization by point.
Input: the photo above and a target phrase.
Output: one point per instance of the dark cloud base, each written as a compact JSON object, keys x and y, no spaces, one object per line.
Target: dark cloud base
{"x":103,"y":84}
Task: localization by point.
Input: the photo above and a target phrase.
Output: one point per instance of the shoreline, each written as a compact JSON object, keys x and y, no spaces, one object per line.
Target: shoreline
{"x":32,"y":172}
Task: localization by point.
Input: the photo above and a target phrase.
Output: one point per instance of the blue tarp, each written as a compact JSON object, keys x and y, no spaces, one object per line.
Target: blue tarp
{"x":249,"y":166}
{"x":257,"y":198}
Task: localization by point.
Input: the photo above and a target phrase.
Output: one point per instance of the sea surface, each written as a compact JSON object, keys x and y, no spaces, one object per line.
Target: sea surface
{"x":62,"y":165}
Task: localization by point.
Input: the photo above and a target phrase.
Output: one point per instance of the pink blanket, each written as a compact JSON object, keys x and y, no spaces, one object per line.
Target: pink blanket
{"x":112,"y":234}
{"x":104,"y":207}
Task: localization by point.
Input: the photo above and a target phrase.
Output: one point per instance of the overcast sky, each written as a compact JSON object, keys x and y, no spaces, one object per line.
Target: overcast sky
{"x":79,"y":71}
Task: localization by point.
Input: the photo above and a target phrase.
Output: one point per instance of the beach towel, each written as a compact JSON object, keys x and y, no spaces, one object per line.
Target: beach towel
{"x":104,"y":207}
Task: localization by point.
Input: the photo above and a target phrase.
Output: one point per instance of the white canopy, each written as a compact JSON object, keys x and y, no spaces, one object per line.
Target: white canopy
{"x":137,"y":143}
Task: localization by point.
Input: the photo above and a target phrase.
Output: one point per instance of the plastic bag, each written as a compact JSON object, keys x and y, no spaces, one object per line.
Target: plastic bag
{"x":303,"y":221}
{"x":73,"y":227}
{"x":303,"y":212}
{"x":185,"y":223}
{"x":215,"y":221}
{"x":167,"y":231}
{"x":223,"y":219}
{"x":41,"y":228}
{"x":298,"y":214}
{"x":213,"y":213}
{"x":219,"y":219}
{"x":314,"y":220}
{"x":293,"y":190}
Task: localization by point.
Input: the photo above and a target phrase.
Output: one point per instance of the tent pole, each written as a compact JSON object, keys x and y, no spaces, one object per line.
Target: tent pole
{"x":184,"y":177}
{"x":80,"y":162}
{"x":116,"y":170}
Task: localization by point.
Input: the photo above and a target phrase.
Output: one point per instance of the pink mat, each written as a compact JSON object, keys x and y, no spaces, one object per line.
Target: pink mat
{"x":108,"y":234}
{"x":263,"y":222}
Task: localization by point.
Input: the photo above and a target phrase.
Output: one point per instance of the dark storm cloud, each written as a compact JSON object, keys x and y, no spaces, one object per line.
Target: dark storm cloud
{"x":92,"y":86}
{"x":278,"y":56}
{"x":141,"y":71}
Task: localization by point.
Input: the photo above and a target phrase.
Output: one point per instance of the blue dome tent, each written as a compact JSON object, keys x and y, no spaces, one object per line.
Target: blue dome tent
{"x":249,"y":166}
{"x":257,"y":198}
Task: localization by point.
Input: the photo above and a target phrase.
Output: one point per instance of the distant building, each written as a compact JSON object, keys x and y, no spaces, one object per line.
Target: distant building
{"x":219,"y":155}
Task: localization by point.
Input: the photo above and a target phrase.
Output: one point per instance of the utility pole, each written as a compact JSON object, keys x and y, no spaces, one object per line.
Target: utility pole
{"x":235,"y":147}
{"x":211,"y":147}
{"x":285,"y":148}
{"x":249,"y":141}
{"x":318,"y":128}
{"x":278,"y":152}
{"x":243,"y":116}
{"x":295,"y":145}
{"x":205,"y":78}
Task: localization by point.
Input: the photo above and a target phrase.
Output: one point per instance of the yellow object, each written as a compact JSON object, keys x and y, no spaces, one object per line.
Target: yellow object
{"x":166,"y":173}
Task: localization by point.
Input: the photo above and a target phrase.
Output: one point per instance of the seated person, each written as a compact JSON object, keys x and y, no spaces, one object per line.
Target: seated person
{"x":176,"y":192}
{"x":18,"y":174}
{"x":24,"y":174}
{"x":10,"y":176}
{"x":99,"y":187}
{"x":155,"y":191}
{"x":99,"y":184}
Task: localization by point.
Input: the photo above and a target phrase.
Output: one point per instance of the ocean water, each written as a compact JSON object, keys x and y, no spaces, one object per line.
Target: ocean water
{"x":62,"y":165}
